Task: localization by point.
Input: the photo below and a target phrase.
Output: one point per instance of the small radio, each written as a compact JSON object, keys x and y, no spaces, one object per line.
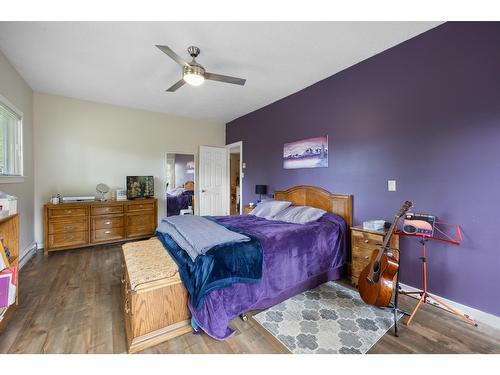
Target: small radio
{"x":419,"y":224}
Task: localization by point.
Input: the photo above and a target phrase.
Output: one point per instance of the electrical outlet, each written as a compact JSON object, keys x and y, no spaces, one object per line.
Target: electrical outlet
{"x":391,"y":185}
{"x":243,"y":165}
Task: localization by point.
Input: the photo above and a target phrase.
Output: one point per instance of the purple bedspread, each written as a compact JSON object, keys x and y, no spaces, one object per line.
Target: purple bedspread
{"x":176,"y":203}
{"x":296,"y":257}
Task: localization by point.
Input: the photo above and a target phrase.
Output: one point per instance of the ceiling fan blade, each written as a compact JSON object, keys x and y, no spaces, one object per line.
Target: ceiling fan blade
{"x":176,"y":86}
{"x":173,"y":55}
{"x":226,"y":79}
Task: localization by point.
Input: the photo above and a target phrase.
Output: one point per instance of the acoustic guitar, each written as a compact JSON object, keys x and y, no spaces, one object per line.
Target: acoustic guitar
{"x":375,"y":282}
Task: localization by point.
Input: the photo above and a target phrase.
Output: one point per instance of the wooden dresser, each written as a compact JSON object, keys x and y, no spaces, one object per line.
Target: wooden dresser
{"x":363,"y":243}
{"x":79,"y":224}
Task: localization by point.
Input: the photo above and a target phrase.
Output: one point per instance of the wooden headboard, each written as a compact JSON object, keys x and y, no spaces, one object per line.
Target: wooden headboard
{"x":189,"y":185}
{"x":303,"y":195}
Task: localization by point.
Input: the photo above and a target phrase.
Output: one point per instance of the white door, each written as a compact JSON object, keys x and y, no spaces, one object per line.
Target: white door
{"x":213,"y":183}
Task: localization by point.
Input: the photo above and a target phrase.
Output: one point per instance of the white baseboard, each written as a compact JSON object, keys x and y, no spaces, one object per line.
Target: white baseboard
{"x":478,"y":315}
{"x":28,"y":254}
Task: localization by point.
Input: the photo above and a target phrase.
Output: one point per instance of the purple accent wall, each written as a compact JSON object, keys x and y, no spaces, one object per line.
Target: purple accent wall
{"x":425,"y":113}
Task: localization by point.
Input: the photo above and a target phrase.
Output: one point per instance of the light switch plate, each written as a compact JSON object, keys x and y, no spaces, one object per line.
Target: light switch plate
{"x":243,"y":165}
{"x":391,"y":185}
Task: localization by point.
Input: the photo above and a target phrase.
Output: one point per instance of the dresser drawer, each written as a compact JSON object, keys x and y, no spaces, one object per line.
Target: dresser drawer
{"x":68,"y":239}
{"x":363,"y":244}
{"x":107,"y":222}
{"x":140,"y":230}
{"x":367,"y":240}
{"x":68,"y":225}
{"x":140,"y":219}
{"x":141,"y":206}
{"x":107,"y":209}
{"x":102,"y":235}
{"x":67,"y":211}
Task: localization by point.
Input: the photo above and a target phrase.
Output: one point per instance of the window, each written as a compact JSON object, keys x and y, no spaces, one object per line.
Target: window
{"x":11,"y":125}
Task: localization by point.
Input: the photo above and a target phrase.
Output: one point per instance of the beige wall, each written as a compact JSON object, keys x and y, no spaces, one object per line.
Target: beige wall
{"x":80,"y":144}
{"x":19,"y":94}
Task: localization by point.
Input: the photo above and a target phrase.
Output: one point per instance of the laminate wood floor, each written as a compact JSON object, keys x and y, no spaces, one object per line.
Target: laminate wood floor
{"x":70,"y":303}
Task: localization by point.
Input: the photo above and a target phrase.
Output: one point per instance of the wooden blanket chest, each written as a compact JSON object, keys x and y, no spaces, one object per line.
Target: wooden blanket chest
{"x":154,"y":298}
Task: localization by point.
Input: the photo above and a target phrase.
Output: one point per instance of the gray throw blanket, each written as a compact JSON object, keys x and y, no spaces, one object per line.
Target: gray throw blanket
{"x":196,"y":235}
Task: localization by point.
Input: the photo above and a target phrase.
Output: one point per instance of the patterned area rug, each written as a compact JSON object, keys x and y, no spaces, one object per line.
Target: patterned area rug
{"x":328,"y":319}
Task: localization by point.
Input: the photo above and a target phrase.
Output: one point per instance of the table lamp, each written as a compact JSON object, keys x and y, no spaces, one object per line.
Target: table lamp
{"x":261,"y":190}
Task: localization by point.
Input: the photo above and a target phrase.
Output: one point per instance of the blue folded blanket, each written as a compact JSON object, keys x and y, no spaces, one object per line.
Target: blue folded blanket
{"x":197,"y":234}
{"x":221,"y":266}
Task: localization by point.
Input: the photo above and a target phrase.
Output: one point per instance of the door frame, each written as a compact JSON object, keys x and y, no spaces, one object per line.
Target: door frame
{"x":228,"y":147}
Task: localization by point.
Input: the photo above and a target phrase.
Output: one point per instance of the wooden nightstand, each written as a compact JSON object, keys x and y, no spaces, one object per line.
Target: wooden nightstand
{"x":363,"y":242}
{"x":247,"y":209}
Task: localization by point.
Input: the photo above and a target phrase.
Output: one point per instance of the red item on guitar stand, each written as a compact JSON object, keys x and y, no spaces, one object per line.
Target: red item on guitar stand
{"x":443,"y":232}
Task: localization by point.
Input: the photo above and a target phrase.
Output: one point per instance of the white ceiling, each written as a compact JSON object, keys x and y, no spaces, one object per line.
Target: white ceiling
{"x":117,"y":63}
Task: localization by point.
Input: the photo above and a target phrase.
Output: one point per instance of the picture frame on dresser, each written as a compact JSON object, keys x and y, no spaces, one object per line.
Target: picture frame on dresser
{"x":80,"y":224}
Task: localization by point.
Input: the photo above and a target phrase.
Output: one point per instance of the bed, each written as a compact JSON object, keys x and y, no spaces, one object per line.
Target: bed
{"x":178,"y":202}
{"x":295,"y":258}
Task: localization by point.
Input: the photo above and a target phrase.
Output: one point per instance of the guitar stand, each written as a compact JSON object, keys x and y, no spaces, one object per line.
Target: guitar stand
{"x":426,"y":297}
{"x":394,"y":305}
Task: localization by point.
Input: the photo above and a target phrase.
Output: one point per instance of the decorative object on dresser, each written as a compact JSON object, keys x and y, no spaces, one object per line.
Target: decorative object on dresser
{"x":121,"y":194}
{"x":76,"y":198}
{"x":140,"y":187}
{"x":9,"y":237}
{"x":73,"y":225}
{"x":154,"y":299}
{"x":247,"y":209}
{"x":8,"y":204}
{"x":102,"y":189}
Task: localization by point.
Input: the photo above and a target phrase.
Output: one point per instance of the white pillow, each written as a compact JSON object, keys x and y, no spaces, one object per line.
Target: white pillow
{"x":299,"y":214}
{"x":270,"y":208}
{"x":176,"y":191}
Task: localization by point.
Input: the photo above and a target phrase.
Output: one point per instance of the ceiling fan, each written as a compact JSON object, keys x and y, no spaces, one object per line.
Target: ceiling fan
{"x":194,"y":73}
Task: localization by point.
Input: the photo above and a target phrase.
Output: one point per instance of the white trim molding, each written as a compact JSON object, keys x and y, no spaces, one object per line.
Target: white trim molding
{"x":11,"y":179}
{"x":478,"y":315}
{"x":30,"y":251}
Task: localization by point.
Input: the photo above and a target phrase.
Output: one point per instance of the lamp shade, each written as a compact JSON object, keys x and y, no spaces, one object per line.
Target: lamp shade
{"x":261,"y":189}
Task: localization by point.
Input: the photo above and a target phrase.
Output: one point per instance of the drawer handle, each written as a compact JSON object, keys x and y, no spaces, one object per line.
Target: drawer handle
{"x":367,"y":257}
{"x":366,"y":241}
{"x":141,"y":228}
{"x":107,"y":232}
{"x":107,"y":222}
{"x":69,"y":237}
{"x":68,"y":211}
{"x":69,"y":227}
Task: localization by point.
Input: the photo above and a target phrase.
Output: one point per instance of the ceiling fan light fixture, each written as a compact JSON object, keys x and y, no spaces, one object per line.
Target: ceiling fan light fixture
{"x":194,"y":79}
{"x":194,"y":74}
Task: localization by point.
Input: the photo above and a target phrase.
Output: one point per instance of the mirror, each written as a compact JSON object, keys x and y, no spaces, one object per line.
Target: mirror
{"x":180,"y":184}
